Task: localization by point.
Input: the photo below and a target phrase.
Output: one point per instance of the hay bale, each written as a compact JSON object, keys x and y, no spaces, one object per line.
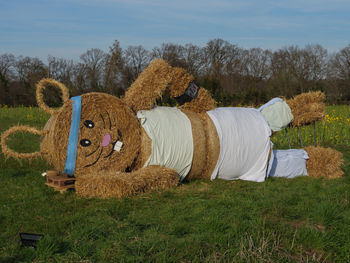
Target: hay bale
{"x":106,"y":185}
{"x":47,"y":139}
{"x":149,"y":86}
{"x":324,"y":162}
{"x":199,"y":146}
{"x":145,"y":149}
{"x":307,"y":108}
{"x":213,"y":145}
{"x":102,"y":109}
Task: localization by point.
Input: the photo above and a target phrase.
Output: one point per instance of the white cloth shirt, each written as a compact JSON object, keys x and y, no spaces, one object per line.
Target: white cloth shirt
{"x":270,"y":103}
{"x":288,"y":163}
{"x":244,"y":144}
{"x":277,"y":114}
{"x":171,"y":133}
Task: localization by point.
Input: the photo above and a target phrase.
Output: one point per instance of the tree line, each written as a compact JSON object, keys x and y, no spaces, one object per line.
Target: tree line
{"x":232,"y":74}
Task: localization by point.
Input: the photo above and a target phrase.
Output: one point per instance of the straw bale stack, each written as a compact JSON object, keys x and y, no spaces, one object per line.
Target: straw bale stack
{"x":324,"y":162}
{"x":307,"y":108}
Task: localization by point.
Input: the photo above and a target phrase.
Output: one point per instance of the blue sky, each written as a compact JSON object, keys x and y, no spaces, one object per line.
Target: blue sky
{"x":67,"y":28}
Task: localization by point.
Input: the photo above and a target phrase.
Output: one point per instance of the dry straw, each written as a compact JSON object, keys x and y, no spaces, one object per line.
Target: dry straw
{"x":158,"y":77}
{"x":149,"y":86}
{"x":204,"y":102}
{"x":213,"y":145}
{"x":110,"y":115}
{"x":146,"y":148}
{"x":180,"y":80}
{"x":126,"y":184}
{"x":307,"y":108}
{"x":44,"y":83}
{"x":8,"y":152}
{"x":200,"y":146}
{"x":324,"y":162}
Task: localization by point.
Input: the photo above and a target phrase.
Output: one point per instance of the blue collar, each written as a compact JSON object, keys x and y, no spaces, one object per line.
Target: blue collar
{"x":73,"y":138}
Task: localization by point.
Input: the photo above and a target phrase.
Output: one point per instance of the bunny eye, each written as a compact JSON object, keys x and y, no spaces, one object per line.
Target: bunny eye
{"x":89,"y":124}
{"x":85,"y":142}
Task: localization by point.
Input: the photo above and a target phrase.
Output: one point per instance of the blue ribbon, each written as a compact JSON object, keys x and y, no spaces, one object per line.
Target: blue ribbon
{"x":73,"y":138}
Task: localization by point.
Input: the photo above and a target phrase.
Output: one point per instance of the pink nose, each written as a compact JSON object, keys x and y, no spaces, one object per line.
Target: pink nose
{"x":106,"y":140}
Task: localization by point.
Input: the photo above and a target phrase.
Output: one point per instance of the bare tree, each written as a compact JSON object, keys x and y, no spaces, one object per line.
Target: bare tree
{"x":193,"y":59}
{"x":113,"y":75}
{"x":220,"y":57}
{"x":258,"y":63}
{"x":79,"y":78}
{"x":7,"y":62}
{"x":232,"y":74}
{"x":340,"y":64}
{"x":281,"y":81}
{"x":136,"y":58}
{"x":172,"y":53}
{"x":339,"y":74}
{"x":94,"y":60}
{"x":29,"y":71}
{"x":317,"y":60}
{"x":60,"y":69}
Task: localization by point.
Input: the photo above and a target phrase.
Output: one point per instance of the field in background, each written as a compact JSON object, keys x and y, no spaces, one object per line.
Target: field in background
{"x":281,"y":220}
{"x":334,"y":130}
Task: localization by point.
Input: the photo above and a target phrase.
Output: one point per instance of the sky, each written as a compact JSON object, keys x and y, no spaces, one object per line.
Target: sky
{"x":68,"y":28}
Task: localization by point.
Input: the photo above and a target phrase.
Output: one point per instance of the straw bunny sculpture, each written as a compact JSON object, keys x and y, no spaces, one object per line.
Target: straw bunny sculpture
{"x":118,"y":147}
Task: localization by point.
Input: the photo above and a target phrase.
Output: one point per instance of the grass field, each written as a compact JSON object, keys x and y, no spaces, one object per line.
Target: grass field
{"x":334,"y":130}
{"x":280,"y":220}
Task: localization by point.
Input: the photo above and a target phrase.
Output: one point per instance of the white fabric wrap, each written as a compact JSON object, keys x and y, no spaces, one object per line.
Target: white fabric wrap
{"x":288,"y":163}
{"x":244,"y":144}
{"x":277,"y":114}
{"x":171,"y":133}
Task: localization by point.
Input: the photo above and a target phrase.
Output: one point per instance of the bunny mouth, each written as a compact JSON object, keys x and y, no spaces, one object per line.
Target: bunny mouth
{"x":106,"y":141}
{"x":117,"y":145}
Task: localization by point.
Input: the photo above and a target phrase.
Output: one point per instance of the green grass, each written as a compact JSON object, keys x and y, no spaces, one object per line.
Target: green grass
{"x":280,"y":220}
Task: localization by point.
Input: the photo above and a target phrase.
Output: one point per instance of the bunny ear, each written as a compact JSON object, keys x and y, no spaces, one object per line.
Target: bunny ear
{"x":8,"y":152}
{"x":40,"y":97}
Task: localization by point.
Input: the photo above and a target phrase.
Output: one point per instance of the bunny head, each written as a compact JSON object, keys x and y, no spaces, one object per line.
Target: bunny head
{"x":88,"y":134}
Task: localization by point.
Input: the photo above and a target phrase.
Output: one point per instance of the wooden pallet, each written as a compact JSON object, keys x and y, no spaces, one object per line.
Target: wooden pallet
{"x":60,"y":182}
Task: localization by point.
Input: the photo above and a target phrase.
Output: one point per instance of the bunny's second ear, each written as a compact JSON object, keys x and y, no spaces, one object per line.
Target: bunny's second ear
{"x":40,"y":97}
{"x":11,"y":153}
